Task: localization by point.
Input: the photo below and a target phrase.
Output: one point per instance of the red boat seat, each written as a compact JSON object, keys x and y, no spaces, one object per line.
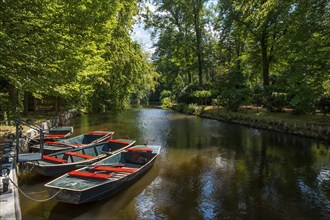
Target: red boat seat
{"x":76,"y":145}
{"x":98,"y":132}
{"x":53,"y":159}
{"x":146,"y":149}
{"x":79,"y":155}
{"x":118,"y":142}
{"x":100,"y":176}
{"x":114,"y":169}
{"x":54,"y":135}
{"x":53,"y":143}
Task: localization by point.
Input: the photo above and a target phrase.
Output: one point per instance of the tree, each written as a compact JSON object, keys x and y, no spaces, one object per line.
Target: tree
{"x":64,"y":48}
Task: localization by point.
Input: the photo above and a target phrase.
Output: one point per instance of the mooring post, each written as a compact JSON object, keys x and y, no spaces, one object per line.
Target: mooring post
{"x":41,"y":142}
{"x":17,"y":138}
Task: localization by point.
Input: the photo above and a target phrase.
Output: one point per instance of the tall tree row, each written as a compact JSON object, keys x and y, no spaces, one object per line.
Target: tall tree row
{"x":77,"y":50}
{"x":277,"y":49}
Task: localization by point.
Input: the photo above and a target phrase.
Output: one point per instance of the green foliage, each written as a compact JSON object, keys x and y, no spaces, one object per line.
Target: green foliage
{"x":195,"y":109}
{"x":232,"y":98}
{"x":202,"y":96}
{"x":323,"y":104}
{"x":165,"y":94}
{"x":82,"y":52}
{"x":257,"y":95}
{"x":186,"y":96}
{"x":276,"y":102}
{"x":167,"y":103}
{"x":5,"y":109}
{"x":181,"y":107}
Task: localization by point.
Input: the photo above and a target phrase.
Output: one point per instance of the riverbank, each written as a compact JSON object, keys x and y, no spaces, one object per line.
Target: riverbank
{"x":9,"y":196}
{"x":315,"y":126}
{"x":45,"y":121}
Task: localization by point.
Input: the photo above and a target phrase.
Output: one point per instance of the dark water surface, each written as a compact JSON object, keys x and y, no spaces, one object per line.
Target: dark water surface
{"x":207,"y":170}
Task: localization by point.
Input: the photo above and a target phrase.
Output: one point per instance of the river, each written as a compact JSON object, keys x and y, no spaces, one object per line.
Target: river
{"x":206,"y":170}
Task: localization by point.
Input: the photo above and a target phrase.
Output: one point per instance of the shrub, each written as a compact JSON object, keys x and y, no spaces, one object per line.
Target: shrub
{"x":165,"y":94}
{"x":195,"y":109}
{"x":323,"y":103}
{"x":191,"y":108}
{"x":203,"y":96}
{"x":276,"y":102}
{"x":257,"y":95}
{"x":186,"y":96}
{"x":232,"y":98}
{"x":181,"y":107}
{"x":167,"y":103}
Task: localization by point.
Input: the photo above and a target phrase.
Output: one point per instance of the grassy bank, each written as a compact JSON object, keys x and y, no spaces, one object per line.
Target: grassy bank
{"x":34,"y":118}
{"x":311,"y":125}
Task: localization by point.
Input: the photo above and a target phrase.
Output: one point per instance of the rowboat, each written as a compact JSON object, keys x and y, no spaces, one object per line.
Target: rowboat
{"x":105,"y":177}
{"x":54,"y":134}
{"x":59,"y":163}
{"x":82,"y":140}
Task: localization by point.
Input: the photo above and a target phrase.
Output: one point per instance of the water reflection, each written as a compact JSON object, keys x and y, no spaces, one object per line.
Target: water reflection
{"x":207,"y":170}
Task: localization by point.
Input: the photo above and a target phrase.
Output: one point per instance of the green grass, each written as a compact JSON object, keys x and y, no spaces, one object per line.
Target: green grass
{"x":287,"y":116}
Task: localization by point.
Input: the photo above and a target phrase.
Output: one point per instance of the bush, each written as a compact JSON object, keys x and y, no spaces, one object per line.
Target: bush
{"x":257,"y":95}
{"x":165,"y":94}
{"x":276,"y":102}
{"x":323,"y":103}
{"x":195,"y":109}
{"x":232,"y":99}
{"x":181,"y":107}
{"x":303,"y":100}
{"x":203,"y":96}
{"x":167,"y":103}
{"x":186,"y":96}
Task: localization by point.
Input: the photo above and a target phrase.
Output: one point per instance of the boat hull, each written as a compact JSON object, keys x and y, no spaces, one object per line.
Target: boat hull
{"x":100,"y":192}
{"x":104,"y":150}
{"x":71,"y":143}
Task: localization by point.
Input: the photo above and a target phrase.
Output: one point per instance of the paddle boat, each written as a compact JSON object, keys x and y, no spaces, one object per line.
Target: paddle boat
{"x":89,"y":138}
{"x":105,"y":177}
{"x":59,"y":163}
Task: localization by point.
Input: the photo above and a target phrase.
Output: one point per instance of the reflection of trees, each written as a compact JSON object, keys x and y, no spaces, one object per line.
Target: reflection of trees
{"x":183,"y":187}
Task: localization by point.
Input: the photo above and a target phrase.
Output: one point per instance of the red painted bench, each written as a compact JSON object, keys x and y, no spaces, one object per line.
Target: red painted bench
{"x":53,"y":143}
{"x":79,"y":155}
{"x":146,"y":149}
{"x":100,"y":176}
{"x":118,"y":142}
{"x":114,"y":169}
{"x":53,"y":159}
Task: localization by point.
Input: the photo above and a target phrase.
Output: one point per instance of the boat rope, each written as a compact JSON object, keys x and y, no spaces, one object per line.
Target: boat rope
{"x":29,"y":197}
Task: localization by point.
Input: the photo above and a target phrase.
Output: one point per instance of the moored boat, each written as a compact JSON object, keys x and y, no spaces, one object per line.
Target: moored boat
{"x":54,"y":134}
{"x":59,"y":163}
{"x":105,"y":177}
{"x":74,"y":142}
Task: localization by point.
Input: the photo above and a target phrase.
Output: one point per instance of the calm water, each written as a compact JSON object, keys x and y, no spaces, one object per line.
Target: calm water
{"x":207,"y":170}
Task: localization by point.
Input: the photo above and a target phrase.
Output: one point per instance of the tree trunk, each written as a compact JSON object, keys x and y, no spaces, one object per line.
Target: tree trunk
{"x":265,"y":66}
{"x":26,"y":103}
{"x":197,"y":10}
{"x":13,"y":96}
{"x":265,"y":60}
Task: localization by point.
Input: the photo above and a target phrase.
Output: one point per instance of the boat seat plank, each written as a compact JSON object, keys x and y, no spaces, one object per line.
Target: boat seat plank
{"x":54,"y":159}
{"x":75,"y":145}
{"x":100,"y":176}
{"x":118,"y":142}
{"x":146,"y":149}
{"x":53,"y":143}
{"x":80,"y":155}
{"x":114,"y":169}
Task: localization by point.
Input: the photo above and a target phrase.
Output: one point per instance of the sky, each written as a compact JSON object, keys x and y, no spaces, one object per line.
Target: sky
{"x":143,"y":37}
